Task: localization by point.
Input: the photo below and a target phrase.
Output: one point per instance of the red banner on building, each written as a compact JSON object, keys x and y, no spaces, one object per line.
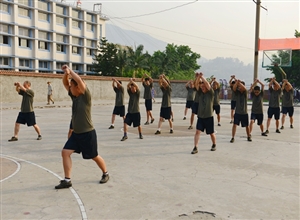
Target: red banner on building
{"x":277,"y":44}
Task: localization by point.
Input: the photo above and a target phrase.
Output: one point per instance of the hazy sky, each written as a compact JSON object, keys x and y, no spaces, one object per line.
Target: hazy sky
{"x":211,"y":28}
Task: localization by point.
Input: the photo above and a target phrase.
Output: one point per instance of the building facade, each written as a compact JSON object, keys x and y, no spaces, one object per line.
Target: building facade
{"x":43,"y":35}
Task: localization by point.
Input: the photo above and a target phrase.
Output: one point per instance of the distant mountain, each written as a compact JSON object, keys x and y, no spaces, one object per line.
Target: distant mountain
{"x":220,"y":67}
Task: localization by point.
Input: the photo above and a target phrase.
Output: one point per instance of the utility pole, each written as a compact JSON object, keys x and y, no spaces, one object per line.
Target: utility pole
{"x":257,"y":21}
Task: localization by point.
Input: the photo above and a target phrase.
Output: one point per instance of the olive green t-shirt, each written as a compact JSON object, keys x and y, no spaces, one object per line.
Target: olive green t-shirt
{"x":274,"y":101}
{"x":119,"y":96}
{"x":288,"y":98}
{"x":166,"y":98}
{"x":81,"y":112}
{"x":147,"y":90}
{"x":206,"y":100}
{"x":241,"y":102}
{"x":196,"y":99}
{"x":133,"y":104}
{"x":217,"y":96}
{"x":27,"y":100}
{"x":257,"y":103}
{"x":191,"y":94}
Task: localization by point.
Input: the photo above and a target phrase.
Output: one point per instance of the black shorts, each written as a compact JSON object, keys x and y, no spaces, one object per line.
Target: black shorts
{"x":119,"y":110}
{"x":217,"y":109}
{"x":206,"y":124}
{"x":133,"y":118}
{"x":274,"y":111}
{"x":243,"y":119}
{"x":258,"y":117}
{"x":85,"y":143}
{"x":165,"y":112}
{"x":26,"y":118}
{"x":233,"y":104}
{"x":148,"y":104}
{"x":195,"y":108}
{"x":289,"y":110}
{"x":189,"y":104}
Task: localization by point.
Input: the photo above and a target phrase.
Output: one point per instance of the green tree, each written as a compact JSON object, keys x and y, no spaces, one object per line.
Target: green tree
{"x":122,"y":60}
{"x":137,"y":60}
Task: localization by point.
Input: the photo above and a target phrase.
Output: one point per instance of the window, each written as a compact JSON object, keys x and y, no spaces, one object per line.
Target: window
{"x":3,"y":39}
{"x":89,"y":52}
{"x":76,"y":40}
{"x":43,"y":64}
{"x":24,"y":12}
{"x":43,"y":35}
{"x":60,"y":20}
{"x":60,"y":38}
{"x":43,"y":5}
{"x":4,"y":61}
{"x":90,"y":17}
{"x":76,"y":24}
{"x":76,"y":67}
{"x":24,"y":32}
{"x":24,"y":63}
{"x":43,"y":45}
{"x":89,"y":68}
{"x":75,"y":50}
{"x":24,"y":42}
{"x":4,"y":28}
{"x":89,"y":43}
{"x":75,"y":14}
{"x":60,"y":48}
{"x":4,"y":7}
{"x":43,"y":16}
{"x":59,"y":65}
{"x":89,"y":27}
{"x":24,"y":2}
{"x":60,"y":10}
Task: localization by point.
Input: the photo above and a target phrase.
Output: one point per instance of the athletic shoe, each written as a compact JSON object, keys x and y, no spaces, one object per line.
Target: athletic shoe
{"x":267,"y":132}
{"x":264,"y":134}
{"x":195,"y":150}
{"x":146,"y":123}
{"x":219,"y":124}
{"x":184,"y":118}
{"x":39,"y":137}
{"x":232,"y":140}
{"x":277,"y":131}
{"x":291,"y":126}
{"x":111,"y":127}
{"x":141,"y":136}
{"x":63,"y":184}
{"x":213,"y":147}
{"x":282,"y":127}
{"x":152,"y":120}
{"x":171,"y":131}
{"x":124,"y":138}
{"x":13,"y":139}
{"x":249,"y":138}
{"x":157,"y":132}
{"x":191,"y":127}
{"x":105,"y":178}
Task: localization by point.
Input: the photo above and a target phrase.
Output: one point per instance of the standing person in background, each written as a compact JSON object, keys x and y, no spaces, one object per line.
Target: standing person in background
{"x":274,"y":104}
{"x":225,"y":93}
{"x":287,"y":102}
{"x":257,"y":94}
{"x":26,"y":115}
{"x":165,"y":109}
{"x":49,"y":95}
{"x":216,"y":106}
{"x":153,"y":93}
{"x":241,"y":113}
{"x":133,"y":115}
{"x":148,"y":85}
{"x":196,"y":101}
{"x":119,"y":108}
{"x":191,"y":91}
{"x":205,"y":112}
{"x":233,"y":98}
{"x":83,"y":138}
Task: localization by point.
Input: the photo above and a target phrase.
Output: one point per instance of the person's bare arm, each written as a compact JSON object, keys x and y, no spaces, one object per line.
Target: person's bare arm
{"x":81,"y":85}
{"x":206,"y":83}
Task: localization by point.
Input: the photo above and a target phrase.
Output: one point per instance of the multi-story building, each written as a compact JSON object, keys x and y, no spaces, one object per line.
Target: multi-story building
{"x":42,"y":35}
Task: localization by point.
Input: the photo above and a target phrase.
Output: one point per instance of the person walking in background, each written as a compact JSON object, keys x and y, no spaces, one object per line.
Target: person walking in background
{"x":225,"y":93}
{"x":133,"y":115}
{"x":83,"y":138}
{"x":216,"y":106}
{"x":233,"y":98}
{"x":26,"y":115}
{"x":241,"y":113}
{"x":191,"y":91}
{"x":257,"y":94}
{"x":148,"y":85}
{"x":119,"y":108}
{"x":205,"y":112}
{"x":153,"y":94}
{"x":49,"y":96}
{"x":287,"y":102}
{"x":165,"y":109}
{"x":274,"y":104}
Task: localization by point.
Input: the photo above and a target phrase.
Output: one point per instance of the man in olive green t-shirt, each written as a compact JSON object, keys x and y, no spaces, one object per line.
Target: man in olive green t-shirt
{"x":26,"y":115}
{"x":287,"y":102}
